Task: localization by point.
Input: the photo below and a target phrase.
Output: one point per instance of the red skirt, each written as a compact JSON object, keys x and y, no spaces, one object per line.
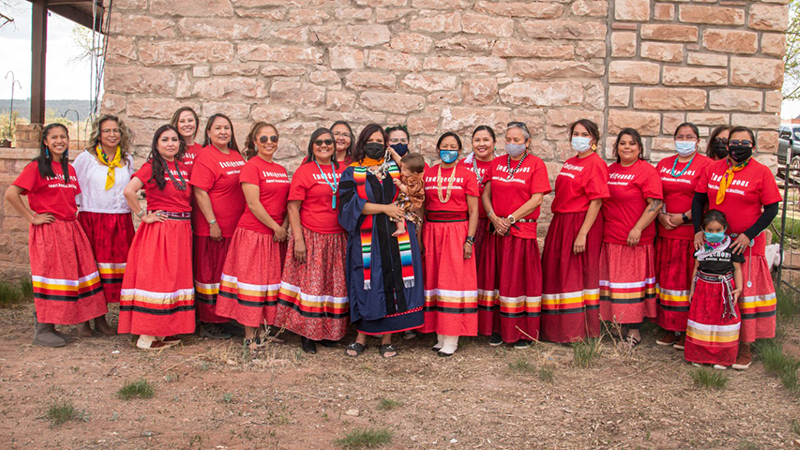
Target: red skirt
{"x":157,"y":292}
{"x":571,"y":283}
{"x":451,"y":284}
{"x":510,"y":288}
{"x":111,"y":236}
{"x":66,"y":283}
{"x":480,"y":235}
{"x":674,"y":268}
{"x":209,"y":258}
{"x":627,"y":283}
{"x":251,"y":277}
{"x":758,"y":302}
{"x":312,"y":300}
{"x":710,"y":337}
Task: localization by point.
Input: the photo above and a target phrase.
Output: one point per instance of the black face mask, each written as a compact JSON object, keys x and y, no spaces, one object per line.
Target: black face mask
{"x":375,"y":150}
{"x":720,"y":148}
{"x":740,"y":153}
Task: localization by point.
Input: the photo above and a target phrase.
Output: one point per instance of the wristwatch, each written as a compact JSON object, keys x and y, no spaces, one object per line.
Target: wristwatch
{"x":511,"y":219}
{"x":470,"y":240}
{"x":140,"y":214}
{"x":212,"y":222}
{"x":685,"y":218}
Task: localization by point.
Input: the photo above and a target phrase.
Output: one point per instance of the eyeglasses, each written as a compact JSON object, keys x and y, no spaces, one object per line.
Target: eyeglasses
{"x":398,"y":141}
{"x":341,"y":134}
{"x":744,"y":143}
{"x":264,"y":139}
{"x":111,"y":131}
{"x":723,"y":140}
{"x":319,"y":142}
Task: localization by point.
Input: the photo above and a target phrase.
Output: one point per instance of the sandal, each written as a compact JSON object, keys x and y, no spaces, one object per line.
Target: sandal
{"x":388,"y":348}
{"x":632,"y":341}
{"x":254,"y":343}
{"x":357,"y":348}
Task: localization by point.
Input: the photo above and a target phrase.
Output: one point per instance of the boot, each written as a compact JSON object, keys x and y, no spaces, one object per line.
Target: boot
{"x":103,"y":327}
{"x":85,"y":329}
{"x":67,"y":338}
{"x":439,"y":343}
{"x":44,"y":336}
{"x":449,"y":346}
{"x":744,"y":358}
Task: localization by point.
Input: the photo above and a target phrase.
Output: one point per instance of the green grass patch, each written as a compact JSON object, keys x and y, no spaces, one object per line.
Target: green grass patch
{"x":386,"y":404}
{"x":521,"y":365}
{"x":795,"y":427}
{"x":366,"y":438}
{"x":136,"y":389}
{"x":792,"y":231}
{"x":778,"y":363}
{"x":546,"y":374}
{"x":12,"y":294}
{"x":788,"y":305}
{"x":704,"y":377}
{"x":62,"y":411}
{"x":586,"y":352}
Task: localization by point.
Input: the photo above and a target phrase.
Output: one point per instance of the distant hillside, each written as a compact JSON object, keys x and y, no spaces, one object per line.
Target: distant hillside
{"x":55,"y":108}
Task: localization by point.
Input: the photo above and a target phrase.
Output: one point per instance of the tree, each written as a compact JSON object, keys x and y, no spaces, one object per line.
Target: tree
{"x":791,"y":77}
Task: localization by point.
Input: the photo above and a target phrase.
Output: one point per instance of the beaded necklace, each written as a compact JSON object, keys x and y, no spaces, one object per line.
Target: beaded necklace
{"x":333,"y":186}
{"x":675,"y":164}
{"x":519,"y":164}
{"x":450,"y":182}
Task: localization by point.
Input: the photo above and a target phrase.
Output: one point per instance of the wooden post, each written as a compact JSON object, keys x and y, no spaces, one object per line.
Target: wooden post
{"x":38,"y":60}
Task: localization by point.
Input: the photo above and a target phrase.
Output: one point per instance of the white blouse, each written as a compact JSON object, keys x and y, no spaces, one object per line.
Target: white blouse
{"x":92,"y":179}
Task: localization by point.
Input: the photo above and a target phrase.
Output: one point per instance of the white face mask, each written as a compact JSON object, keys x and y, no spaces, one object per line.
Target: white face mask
{"x":581,"y":144}
{"x":685,"y":148}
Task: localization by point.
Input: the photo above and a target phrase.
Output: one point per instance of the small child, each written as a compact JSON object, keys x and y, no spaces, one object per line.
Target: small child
{"x":712,"y":333}
{"x":411,"y":185}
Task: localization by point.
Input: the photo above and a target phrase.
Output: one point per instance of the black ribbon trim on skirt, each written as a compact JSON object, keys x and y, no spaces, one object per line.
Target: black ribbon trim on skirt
{"x":450,"y":310}
{"x":758,"y":315}
{"x":489,"y":308}
{"x":673,"y":308}
{"x":157,"y":312}
{"x":67,"y":298}
{"x":313,"y":315}
{"x":521,"y":315}
{"x":110,"y":280}
{"x":258,"y":304}
{"x":206,"y":300}
{"x":563,"y":312}
{"x":627,"y":301}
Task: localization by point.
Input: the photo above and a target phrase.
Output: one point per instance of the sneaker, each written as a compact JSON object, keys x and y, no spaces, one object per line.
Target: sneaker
{"x":212,"y":331}
{"x":149,"y":343}
{"x":409,"y":335}
{"x":668,"y":339}
{"x":680,"y":344}
{"x":720,"y":367}
{"x":495,"y":340}
{"x":744,"y":358}
{"x":522,"y":343}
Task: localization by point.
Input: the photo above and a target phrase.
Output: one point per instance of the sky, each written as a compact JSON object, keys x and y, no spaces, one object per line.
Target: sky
{"x":67,"y":79}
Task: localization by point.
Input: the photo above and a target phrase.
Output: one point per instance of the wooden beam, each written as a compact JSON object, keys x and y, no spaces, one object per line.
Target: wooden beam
{"x":38,"y":60}
{"x":76,"y":15}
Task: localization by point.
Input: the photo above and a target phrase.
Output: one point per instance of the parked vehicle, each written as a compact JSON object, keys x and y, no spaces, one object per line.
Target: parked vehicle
{"x":789,"y":138}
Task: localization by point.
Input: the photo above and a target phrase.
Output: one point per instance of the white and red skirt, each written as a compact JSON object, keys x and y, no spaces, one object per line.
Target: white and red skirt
{"x":251,"y":278}
{"x":157,"y":290}
{"x":66,"y":283}
{"x":571,"y":283}
{"x":712,"y":333}
{"x":111,"y":236}
{"x":510,"y":288}
{"x":451,"y":284}
{"x":208,"y":261}
{"x":674,"y":268}
{"x":758,"y":302}
{"x":312,"y":300}
{"x":627,"y":283}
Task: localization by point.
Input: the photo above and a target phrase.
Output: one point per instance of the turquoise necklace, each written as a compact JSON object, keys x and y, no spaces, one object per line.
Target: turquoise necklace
{"x":333,"y":185}
{"x":675,"y":164}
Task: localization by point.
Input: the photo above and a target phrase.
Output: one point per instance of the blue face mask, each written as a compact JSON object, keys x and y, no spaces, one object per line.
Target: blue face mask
{"x":448,"y":156}
{"x":715,"y":238}
{"x":400,"y":149}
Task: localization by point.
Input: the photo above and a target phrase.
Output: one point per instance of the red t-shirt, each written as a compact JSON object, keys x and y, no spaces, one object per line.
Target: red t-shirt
{"x":50,"y":195}
{"x":630,"y":187}
{"x":190,"y":155}
{"x":508,"y":195}
{"x":316,"y":210}
{"x":273,"y":190}
{"x":464,"y":184}
{"x":679,"y":191}
{"x":483,"y":168}
{"x":751,"y":189}
{"x":170,"y":199}
{"x":218,"y":174}
{"x":579,"y":182}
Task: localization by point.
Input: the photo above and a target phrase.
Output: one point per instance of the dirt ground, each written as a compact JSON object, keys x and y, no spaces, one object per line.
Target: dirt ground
{"x":208,"y":397}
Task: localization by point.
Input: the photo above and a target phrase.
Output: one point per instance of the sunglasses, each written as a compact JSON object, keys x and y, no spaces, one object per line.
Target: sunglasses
{"x":319,"y":142}
{"x":744,"y":143}
{"x":264,"y":139}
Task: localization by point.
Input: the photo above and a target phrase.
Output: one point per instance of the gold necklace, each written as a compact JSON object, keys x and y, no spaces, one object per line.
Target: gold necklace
{"x":449,"y":184}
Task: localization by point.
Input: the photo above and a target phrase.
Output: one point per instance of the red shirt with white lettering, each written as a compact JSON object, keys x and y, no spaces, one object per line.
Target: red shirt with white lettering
{"x":752,"y":188}
{"x":679,"y":191}
{"x":580,"y":181}
{"x":480,"y":176}
{"x":190,"y":155}
{"x":464,"y":184}
{"x":218,"y":174}
{"x":316,"y":197}
{"x":273,"y":191}
{"x":509,"y":194}
{"x":170,"y":199}
{"x":630,"y":187}
{"x":50,"y":195}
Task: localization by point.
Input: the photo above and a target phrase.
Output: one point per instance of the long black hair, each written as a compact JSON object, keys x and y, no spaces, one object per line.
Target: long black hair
{"x":590,"y":126}
{"x":159,"y":163}
{"x":636,"y":137}
{"x":45,"y":158}
{"x":314,"y":136}
{"x":713,"y":137}
{"x":448,"y":134}
{"x":690,"y":125}
{"x":358,"y":151}
{"x":349,"y":151}
{"x":486,"y":128}
{"x":232,"y":144}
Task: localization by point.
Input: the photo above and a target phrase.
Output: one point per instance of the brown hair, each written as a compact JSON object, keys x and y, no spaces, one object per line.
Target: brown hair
{"x":414,"y":162}
{"x":250,"y":142}
{"x":124,"y":135}
{"x":177,"y":116}
{"x":590,"y":126}
{"x":636,"y":137}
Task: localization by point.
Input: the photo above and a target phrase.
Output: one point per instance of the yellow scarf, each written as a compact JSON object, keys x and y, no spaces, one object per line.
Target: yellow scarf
{"x":727,"y":179}
{"x":103,"y":158}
